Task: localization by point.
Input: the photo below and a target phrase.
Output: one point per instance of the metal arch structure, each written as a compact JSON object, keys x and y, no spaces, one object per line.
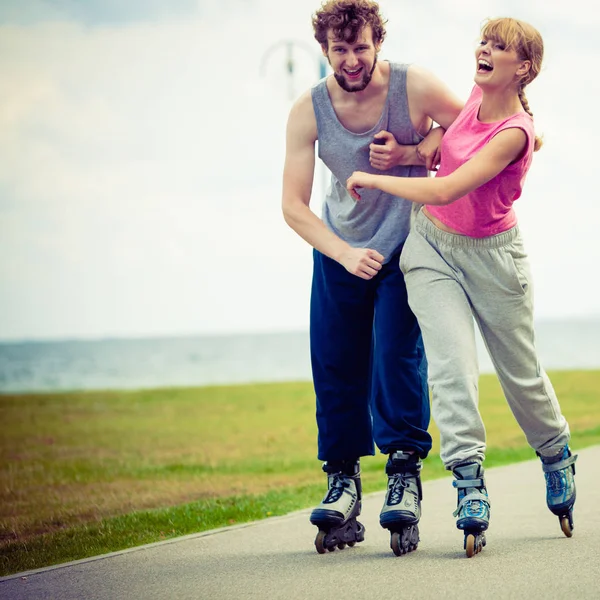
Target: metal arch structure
{"x":290,"y":60}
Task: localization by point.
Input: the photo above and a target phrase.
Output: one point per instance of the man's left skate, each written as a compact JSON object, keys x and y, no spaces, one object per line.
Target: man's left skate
{"x":402,"y":508}
{"x":336,"y":515}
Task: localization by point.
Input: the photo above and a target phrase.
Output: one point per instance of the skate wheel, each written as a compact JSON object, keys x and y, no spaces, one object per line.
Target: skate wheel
{"x":473,"y":544}
{"x":341,"y":546}
{"x":565,"y":525}
{"x":350,"y":544}
{"x":470,"y":545}
{"x":320,"y":542}
{"x":405,"y":541}
{"x":395,"y":544}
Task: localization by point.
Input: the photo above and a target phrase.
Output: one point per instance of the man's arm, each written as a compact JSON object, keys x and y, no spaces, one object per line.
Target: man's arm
{"x":432,"y":97}
{"x":298,"y":176}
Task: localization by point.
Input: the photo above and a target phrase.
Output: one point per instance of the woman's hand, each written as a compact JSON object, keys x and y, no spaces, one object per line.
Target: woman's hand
{"x":358,"y":180}
{"x":430,"y":148}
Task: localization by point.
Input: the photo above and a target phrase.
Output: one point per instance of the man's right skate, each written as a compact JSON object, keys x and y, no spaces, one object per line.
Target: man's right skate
{"x":402,"y":508}
{"x":473,"y":506}
{"x":336,"y":515}
{"x":559,"y":472}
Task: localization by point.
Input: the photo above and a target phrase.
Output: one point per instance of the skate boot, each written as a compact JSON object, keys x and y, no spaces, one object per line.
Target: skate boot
{"x":473,"y":506}
{"x":402,"y":508}
{"x":559,"y":472}
{"x":336,"y":515}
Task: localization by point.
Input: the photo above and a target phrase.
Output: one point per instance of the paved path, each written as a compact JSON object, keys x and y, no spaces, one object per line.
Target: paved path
{"x":527,"y":556}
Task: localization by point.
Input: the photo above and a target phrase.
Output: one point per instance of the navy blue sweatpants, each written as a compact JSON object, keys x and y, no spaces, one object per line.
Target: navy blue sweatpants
{"x":368,"y":363}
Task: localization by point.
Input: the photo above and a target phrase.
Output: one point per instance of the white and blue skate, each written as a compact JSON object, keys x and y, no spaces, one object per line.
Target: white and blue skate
{"x":401,"y":510}
{"x":559,"y":472}
{"x":473,"y":506}
{"x":336,"y":515}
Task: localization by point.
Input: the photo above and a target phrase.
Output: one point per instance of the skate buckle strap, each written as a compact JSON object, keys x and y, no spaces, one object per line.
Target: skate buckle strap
{"x":560,"y":465}
{"x":468,"y":483}
{"x":474,"y":495}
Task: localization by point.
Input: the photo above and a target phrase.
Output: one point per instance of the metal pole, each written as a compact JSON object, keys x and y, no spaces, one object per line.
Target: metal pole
{"x":290,"y":63}
{"x":290,"y":67}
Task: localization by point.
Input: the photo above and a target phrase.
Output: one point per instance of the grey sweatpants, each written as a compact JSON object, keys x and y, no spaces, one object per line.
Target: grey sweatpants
{"x":454,"y":281}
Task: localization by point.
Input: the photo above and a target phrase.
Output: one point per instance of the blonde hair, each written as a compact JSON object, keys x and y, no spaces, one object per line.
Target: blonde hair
{"x":527,"y":43}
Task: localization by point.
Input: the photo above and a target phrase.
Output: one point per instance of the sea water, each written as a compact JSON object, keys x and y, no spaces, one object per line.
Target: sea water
{"x":48,"y":366}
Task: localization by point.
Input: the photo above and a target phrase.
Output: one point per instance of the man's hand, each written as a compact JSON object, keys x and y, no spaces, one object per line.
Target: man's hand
{"x":358,"y":179}
{"x":429,"y":150}
{"x":385,"y":152}
{"x":362,"y":262}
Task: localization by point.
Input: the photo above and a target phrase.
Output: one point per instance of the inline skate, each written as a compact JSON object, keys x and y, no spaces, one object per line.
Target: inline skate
{"x":402,"y":507}
{"x":559,"y":472}
{"x":473,"y":506}
{"x":336,"y":515}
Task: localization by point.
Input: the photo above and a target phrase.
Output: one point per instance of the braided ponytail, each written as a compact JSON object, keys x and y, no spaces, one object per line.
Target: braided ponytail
{"x":538,"y":140}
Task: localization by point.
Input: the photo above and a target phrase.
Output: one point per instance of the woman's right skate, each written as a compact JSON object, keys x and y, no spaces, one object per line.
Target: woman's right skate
{"x":473,"y":506}
{"x":336,"y":515}
{"x":559,"y":472}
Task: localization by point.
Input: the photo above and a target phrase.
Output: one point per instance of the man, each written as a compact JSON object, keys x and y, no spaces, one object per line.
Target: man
{"x":369,"y":368}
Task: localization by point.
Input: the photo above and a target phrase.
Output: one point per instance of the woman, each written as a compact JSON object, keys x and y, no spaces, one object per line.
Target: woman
{"x":464,"y":260}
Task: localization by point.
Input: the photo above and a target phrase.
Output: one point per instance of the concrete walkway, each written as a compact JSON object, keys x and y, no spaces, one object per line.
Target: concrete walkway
{"x":527,"y":555}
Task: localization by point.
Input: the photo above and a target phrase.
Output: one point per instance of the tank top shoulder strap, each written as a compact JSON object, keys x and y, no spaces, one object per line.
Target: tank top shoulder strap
{"x":323,"y":108}
{"x":399,"y":112}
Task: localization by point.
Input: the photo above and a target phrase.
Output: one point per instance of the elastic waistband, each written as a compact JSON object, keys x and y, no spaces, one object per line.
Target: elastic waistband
{"x":429,"y":229}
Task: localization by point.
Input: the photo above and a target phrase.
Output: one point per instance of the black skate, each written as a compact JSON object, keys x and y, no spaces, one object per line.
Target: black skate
{"x":336,"y":515}
{"x":348,"y":534}
{"x":402,"y":507}
{"x":559,"y":472}
{"x":473,"y":506}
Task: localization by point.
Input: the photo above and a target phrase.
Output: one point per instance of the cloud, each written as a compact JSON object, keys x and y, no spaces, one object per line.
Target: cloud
{"x":137,"y":168}
{"x":94,"y":12}
{"x":140,"y":163}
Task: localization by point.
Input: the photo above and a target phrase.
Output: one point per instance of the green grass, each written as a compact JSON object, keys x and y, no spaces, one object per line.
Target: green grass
{"x":83,"y":474}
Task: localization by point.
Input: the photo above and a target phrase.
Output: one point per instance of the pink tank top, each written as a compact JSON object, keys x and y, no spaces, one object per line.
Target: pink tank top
{"x":487,"y":210}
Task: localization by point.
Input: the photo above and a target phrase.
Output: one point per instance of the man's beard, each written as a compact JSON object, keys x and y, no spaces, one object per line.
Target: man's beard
{"x":359,"y":87}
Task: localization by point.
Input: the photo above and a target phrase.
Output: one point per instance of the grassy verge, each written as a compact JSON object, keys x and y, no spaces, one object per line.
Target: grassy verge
{"x":87,"y":473}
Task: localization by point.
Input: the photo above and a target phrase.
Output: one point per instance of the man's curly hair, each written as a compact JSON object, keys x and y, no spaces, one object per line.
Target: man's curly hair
{"x":347,"y":18}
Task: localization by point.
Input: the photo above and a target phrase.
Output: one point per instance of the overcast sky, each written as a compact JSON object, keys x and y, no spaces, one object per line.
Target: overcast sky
{"x":142,"y":144}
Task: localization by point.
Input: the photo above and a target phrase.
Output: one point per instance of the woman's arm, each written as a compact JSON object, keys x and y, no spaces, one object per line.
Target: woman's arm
{"x":386,"y":152}
{"x":491,"y":160}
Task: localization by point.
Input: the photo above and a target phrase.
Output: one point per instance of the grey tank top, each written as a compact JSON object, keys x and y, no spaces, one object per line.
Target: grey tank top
{"x":379,"y":221}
